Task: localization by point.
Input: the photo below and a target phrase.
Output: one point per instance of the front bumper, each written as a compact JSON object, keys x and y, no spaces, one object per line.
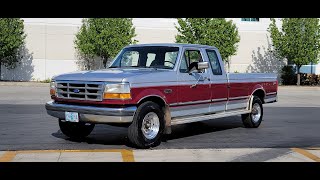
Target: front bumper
{"x":91,"y":113}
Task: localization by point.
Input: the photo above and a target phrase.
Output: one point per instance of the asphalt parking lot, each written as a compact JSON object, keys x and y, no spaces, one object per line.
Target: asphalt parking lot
{"x":289,"y":132}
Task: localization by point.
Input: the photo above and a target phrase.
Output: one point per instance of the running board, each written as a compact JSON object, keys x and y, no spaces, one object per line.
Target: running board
{"x":196,"y":118}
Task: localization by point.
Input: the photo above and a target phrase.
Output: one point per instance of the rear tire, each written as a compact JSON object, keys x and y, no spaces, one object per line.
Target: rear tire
{"x":253,"y":119}
{"x":76,"y":130}
{"x":147,"y":126}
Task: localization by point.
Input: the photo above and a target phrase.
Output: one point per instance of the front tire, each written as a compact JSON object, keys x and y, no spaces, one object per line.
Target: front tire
{"x":147,"y":126}
{"x":253,"y":119}
{"x":75,"y":130}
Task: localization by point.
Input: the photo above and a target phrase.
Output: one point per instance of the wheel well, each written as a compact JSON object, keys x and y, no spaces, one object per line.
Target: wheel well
{"x":167,"y":116}
{"x":260,"y":94}
{"x":154,"y":99}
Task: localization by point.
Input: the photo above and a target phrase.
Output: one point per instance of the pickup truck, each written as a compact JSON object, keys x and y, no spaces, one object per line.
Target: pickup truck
{"x":151,"y":87}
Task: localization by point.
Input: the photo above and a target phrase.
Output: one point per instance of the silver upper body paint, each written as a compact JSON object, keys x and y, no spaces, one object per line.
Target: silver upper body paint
{"x":144,"y":77}
{"x":134,"y":75}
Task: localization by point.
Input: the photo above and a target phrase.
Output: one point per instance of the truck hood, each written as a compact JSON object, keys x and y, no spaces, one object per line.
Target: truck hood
{"x":110,"y":75}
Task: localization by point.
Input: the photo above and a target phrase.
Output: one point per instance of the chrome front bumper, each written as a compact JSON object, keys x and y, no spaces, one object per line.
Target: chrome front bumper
{"x":91,"y":113}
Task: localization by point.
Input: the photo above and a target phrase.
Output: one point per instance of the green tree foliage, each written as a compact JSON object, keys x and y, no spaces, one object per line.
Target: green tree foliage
{"x":298,"y":40}
{"x":216,"y":32}
{"x":288,"y":75}
{"x":11,"y":39}
{"x":104,"y":38}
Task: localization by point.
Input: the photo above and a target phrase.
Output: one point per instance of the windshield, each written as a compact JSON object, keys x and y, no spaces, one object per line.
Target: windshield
{"x":162,"y":57}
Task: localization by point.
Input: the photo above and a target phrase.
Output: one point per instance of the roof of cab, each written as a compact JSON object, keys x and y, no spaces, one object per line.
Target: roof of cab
{"x":174,"y":45}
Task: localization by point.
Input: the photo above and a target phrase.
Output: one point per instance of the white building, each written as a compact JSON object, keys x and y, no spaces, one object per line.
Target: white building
{"x":50,"y":48}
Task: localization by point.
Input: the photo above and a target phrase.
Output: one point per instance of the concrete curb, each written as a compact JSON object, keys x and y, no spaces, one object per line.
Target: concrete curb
{"x":300,"y":87}
{"x":27,"y":84}
{"x":165,"y":155}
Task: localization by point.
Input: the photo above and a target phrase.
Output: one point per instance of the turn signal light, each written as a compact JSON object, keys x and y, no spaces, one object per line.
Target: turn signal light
{"x":117,"y":96}
{"x":52,"y":92}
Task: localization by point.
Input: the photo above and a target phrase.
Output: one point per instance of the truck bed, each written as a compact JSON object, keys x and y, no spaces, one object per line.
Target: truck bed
{"x":252,"y":77}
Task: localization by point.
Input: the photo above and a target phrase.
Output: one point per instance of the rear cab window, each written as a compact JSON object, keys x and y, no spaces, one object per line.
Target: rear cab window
{"x":214,"y":62}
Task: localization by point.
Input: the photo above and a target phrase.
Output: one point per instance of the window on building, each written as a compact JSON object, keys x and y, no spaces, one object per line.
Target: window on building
{"x":250,"y":19}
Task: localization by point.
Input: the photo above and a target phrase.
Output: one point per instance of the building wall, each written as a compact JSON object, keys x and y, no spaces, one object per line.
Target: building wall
{"x":252,"y":53}
{"x":50,"y":51}
{"x":155,"y":30}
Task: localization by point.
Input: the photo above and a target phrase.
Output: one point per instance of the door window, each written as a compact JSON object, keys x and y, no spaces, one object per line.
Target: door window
{"x":189,"y":60}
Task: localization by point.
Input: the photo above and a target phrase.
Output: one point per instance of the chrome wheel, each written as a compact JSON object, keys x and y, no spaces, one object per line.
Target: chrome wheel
{"x":256,"y":112}
{"x":150,"y":125}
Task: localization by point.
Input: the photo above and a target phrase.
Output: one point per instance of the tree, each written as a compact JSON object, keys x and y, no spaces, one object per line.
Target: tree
{"x":298,"y":40}
{"x":216,"y":32}
{"x":11,"y":39}
{"x":104,"y":38}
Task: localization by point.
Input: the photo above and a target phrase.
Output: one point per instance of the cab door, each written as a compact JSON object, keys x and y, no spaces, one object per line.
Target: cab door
{"x":194,"y":93}
{"x":219,"y":81}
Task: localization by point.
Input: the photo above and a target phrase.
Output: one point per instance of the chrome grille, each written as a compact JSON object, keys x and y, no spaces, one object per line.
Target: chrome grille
{"x":91,"y":91}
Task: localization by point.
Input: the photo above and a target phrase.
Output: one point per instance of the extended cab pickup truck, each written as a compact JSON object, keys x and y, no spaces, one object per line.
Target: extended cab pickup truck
{"x":150,"y":87}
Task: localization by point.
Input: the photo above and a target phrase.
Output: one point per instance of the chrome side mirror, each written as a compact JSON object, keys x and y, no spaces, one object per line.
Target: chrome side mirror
{"x":203,"y":65}
{"x":198,"y":67}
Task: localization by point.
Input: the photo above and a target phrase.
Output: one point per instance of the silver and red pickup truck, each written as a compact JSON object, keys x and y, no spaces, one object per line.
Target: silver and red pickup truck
{"x":150,"y":87}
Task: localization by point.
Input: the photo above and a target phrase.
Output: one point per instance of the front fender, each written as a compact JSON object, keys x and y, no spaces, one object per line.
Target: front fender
{"x":140,"y":94}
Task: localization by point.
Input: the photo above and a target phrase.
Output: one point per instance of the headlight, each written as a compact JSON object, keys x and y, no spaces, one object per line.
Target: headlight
{"x":53,"y":88}
{"x":117,"y":91}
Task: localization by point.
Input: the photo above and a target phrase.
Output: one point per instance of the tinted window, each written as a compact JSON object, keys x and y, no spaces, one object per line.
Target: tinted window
{"x":190,"y":57}
{"x":162,"y":57}
{"x":184,"y":65}
{"x":250,"y":19}
{"x":150,"y":58}
{"x":130,"y":58}
{"x":214,"y":61}
{"x":170,"y":58}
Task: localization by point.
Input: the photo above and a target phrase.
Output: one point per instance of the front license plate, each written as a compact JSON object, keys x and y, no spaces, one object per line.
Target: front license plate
{"x":72,"y":116}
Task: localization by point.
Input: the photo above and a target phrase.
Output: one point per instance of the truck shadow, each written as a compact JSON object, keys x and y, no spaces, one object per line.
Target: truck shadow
{"x":112,"y":135}
{"x":102,"y":134}
{"x":204,"y":127}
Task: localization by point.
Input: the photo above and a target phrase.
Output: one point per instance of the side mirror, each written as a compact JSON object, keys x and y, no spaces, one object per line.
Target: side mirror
{"x":203,"y":65}
{"x":198,"y":66}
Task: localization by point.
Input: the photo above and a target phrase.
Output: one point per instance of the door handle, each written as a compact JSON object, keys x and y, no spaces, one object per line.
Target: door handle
{"x":200,"y":79}
{"x":204,"y":78}
{"x":193,"y":86}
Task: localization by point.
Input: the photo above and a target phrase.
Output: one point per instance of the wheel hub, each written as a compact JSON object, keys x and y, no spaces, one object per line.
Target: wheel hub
{"x":150,"y":125}
{"x":256,"y":112}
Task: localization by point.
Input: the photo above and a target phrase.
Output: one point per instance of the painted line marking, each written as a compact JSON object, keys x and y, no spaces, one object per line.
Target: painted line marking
{"x":306,"y":154}
{"x":313,"y":148}
{"x":8,"y":156}
{"x":127,"y":155}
